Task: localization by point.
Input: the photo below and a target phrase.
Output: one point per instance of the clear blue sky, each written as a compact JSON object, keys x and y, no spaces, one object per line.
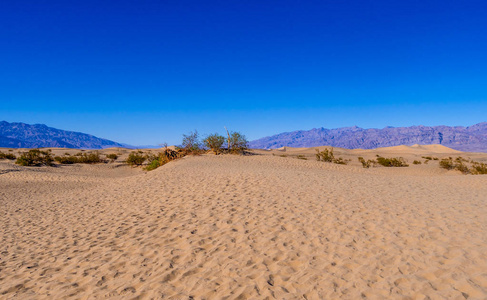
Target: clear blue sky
{"x":145,"y":72}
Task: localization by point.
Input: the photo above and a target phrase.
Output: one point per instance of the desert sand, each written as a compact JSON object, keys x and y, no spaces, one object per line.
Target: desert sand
{"x":263,"y":226}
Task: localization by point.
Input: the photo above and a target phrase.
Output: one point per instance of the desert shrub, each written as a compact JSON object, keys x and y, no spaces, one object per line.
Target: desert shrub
{"x":163,"y":158}
{"x":191,"y":142}
{"x":366,"y":163}
{"x":135,"y":159}
{"x":153,"y":165}
{"x":447,"y":163}
{"x":340,"y":161}
{"x":283,"y":155}
{"x":416,"y":162}
{"x":462,"y":168}
{"x":427,"y":157}
{"x":392,"y":162}
{"x":112,"y":156}
{"x":35,"y":157}
{"x":90,"y":158}
{"x":479,"y":168}
{"x":325,"y":155}
{"x":328,"y":156}
{"x":215,"y":143}
{"x":301,"y":157}
{"x":80,"y":158}
{"x":237,"y":143}
{"x":7,"y":156}
{"x":435,"y":158}
{"x":66,"y":160}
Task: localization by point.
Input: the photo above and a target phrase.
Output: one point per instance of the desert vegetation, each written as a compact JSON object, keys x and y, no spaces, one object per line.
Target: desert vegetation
{"x":383,"y":161}
{"x":81,"y":158}
{"x":392,"y":162}
{"x":461,"y":164}
{"x":7,"y":156}
{"x":35,"y":157}
{"x":367,"y":163}
{"x":214,"y":142}
{"x":328,"y":156}
{"x":136,"y":158}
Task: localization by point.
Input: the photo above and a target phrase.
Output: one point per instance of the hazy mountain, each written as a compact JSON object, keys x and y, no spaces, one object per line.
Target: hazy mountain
{"x":20,"y":135}
{"x":472,"y":138}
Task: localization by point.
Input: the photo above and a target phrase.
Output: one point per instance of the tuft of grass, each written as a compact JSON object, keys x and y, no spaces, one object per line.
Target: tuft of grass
{"x":35,"y":157}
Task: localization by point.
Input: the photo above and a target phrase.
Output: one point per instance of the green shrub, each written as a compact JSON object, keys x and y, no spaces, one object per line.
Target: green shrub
{"x":416,"y":162}
{"x":80,"y":158}
{"x":191,"y":142}
{"x":479,"y":168}
{"x":325,"y":155}
{"x":163,"y":158}
{"x":392,"y":162}
{"x":238,"y":143}
{"x":112,"y":156}
{"x":66,"y":160}
{"x":447,"y":163}
{"x":135,"y":159}
{"x":7,"y":156}
{"x":35,"y":157}
{"x":328,"y":156}
{"x":90,"y":158}
{"x":366,"y":163}
{"x":215,"y":143}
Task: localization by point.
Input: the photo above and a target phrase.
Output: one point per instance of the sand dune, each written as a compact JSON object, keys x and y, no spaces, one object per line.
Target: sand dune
{"x":233,"y":227}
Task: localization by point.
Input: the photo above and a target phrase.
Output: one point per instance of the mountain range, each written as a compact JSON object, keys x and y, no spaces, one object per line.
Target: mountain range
{"x":21,"y":135}
{"x":472,"y":138}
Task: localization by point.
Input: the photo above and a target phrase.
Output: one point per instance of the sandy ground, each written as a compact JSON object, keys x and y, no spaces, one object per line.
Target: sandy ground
{"x":245,"y":227}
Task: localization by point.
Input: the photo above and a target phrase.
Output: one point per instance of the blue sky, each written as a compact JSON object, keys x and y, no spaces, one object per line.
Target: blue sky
{"x":145,"y":72}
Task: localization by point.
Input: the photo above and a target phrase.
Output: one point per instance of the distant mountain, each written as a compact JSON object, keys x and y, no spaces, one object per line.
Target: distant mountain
{"x":472,"y":138}
{"x":20,"y":135}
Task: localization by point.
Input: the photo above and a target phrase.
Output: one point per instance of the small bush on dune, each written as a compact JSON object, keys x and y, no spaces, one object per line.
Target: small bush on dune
{"x":366,"y":163}
{"x":325,"y":155}
{"x":112,"y":156}
{"x":479,"y":168}
{"x":328,"y":156}
{"x":191,"y":143}
{"x":392,"y":162}
{"x":35,"y":157}
{"x":163,"y":158}
{"x":215,"y":143}
{"x":66,"y":160}
{"x":416,"y":162}
{"x":458,"y":164}
{"x":7,"y":156}
{"x":136,"y":159}
{"x":237,"y":143}
{"x":80,"y":158}
{"x":447,"y":163}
